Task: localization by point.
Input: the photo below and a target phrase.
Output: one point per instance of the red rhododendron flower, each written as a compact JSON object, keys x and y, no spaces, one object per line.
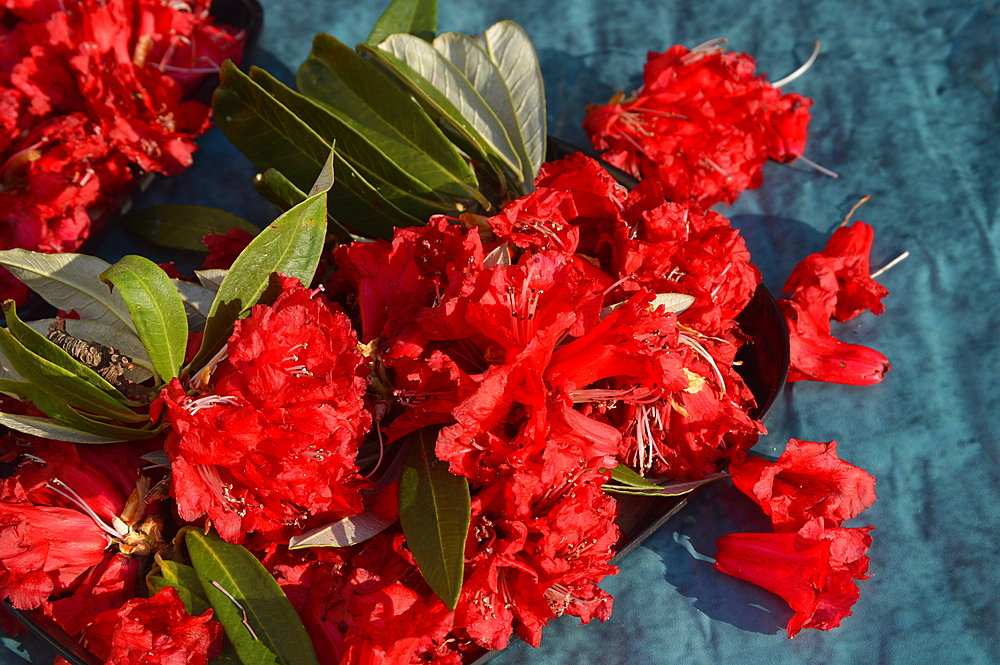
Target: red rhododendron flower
{"x":813,"y":570}
{"x":85,"y":108}
{"x":59,"y":515}
{"x":833,"y":284}
{"x":807,"y":481}
{"x":154,"y":631}
{"x":223,"y":248}
{"x":702,"y":123}
{"x":846,"y":258}
{"x":275,"y":444}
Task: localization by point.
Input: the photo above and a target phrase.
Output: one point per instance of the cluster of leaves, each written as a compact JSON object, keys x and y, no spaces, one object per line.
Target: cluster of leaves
{"x":145,"y":316}
{"x":423,"y":125}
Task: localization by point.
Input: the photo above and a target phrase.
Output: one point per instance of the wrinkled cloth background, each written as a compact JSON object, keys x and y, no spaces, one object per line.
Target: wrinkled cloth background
{"x":907,"y":109}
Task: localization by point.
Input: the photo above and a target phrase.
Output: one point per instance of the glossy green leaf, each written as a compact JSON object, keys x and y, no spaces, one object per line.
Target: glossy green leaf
{"x":628,"y":476}
{"x":185,"y":580}
{"x":394,"y":183}
{"x":433,"y":67}
{"x":259,"y":621}
{"x":675,"y":488}
{"x":265,"y":131}
{"x":47,"y":428}
{"x":69,"y":282}
{"x":62,"y":383}
{"x":274,"y":137}
{"x":290,"y":245}
{"x":156,"y":310}
{"x":434,"y":511}
{"x":511,"y":50}
{"x":183,"y":226}
{"x":416,"y":17}
{"x":437,"y":106}
{"x":277,"y":189}
{"x":37,"y":343}
{"x":370,"y":101}
{"x":64,"y":423}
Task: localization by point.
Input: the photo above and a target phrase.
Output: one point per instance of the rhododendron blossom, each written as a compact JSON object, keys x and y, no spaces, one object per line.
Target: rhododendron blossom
{"x":808,"y":481}
{"x":702,"y":124}
{"x":274,"y":445}
{"x":154,"y":631}
{"x":813,"y":569}
{"x":833,"y":284}
{"x":88,"y":103}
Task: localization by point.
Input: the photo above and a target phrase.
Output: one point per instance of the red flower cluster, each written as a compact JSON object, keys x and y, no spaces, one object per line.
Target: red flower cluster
{"x":540,"y":350}
{"x":272,"y":445}
{"x":812,"y":561}
{"x":71,"y":519}
{"x":833,"y":284}
{"x":702,"y":123}
{"x":154,"y":631}
{"x":90,"y":97}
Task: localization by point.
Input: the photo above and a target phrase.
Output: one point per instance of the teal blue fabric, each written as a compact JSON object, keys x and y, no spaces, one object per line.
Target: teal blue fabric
{"x":907,"y":109}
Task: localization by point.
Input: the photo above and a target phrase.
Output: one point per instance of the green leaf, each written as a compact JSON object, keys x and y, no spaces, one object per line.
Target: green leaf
{"x":183,"y":226}
{"x":277,"y":189}
{"x":390,"y":180}
{"x":253,"y":610}
{"x":627,"y":476}
{"x":63,"y":384}
{"x":342,"y":533}
{"x":69,"y":282}
{"x":156,"y":309}
{"x":434,"y":511}
{"x":434,"y":68}
{"x":370,"y":101}
{"x":185,"y":580}
{"x":264,"y":130}
{"x":676,"y":488}
{"x":65,"y":423}
{"x":417,"y":17}
{"x":470,"y":59}
{"x":50,"y":429}
{"x":37,"y":343}
{"x":511,"y":50}
{"x":274,"y":137}
{"x":291,"y":245}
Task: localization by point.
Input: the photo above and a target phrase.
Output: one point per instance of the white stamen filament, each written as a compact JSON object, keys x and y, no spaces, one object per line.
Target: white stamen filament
{"x":67,"y":493}
{"x":208,"y":401}
{"x":813,"y":165}
{"x":706,"y":356}
{"x":890,"y":264}
{"x":780,"y":83}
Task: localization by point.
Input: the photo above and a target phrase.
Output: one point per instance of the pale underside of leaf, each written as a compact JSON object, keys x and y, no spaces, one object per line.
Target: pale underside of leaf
{"x":426,"y":61}
{"x":197,"y":302}
{"x":343,"y":533}
{"x":473,"y":62}
{"x":510,"y":48}
{"x":211,"y":279}
{"x":69,"y":282}
{"x":47,"y":428}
